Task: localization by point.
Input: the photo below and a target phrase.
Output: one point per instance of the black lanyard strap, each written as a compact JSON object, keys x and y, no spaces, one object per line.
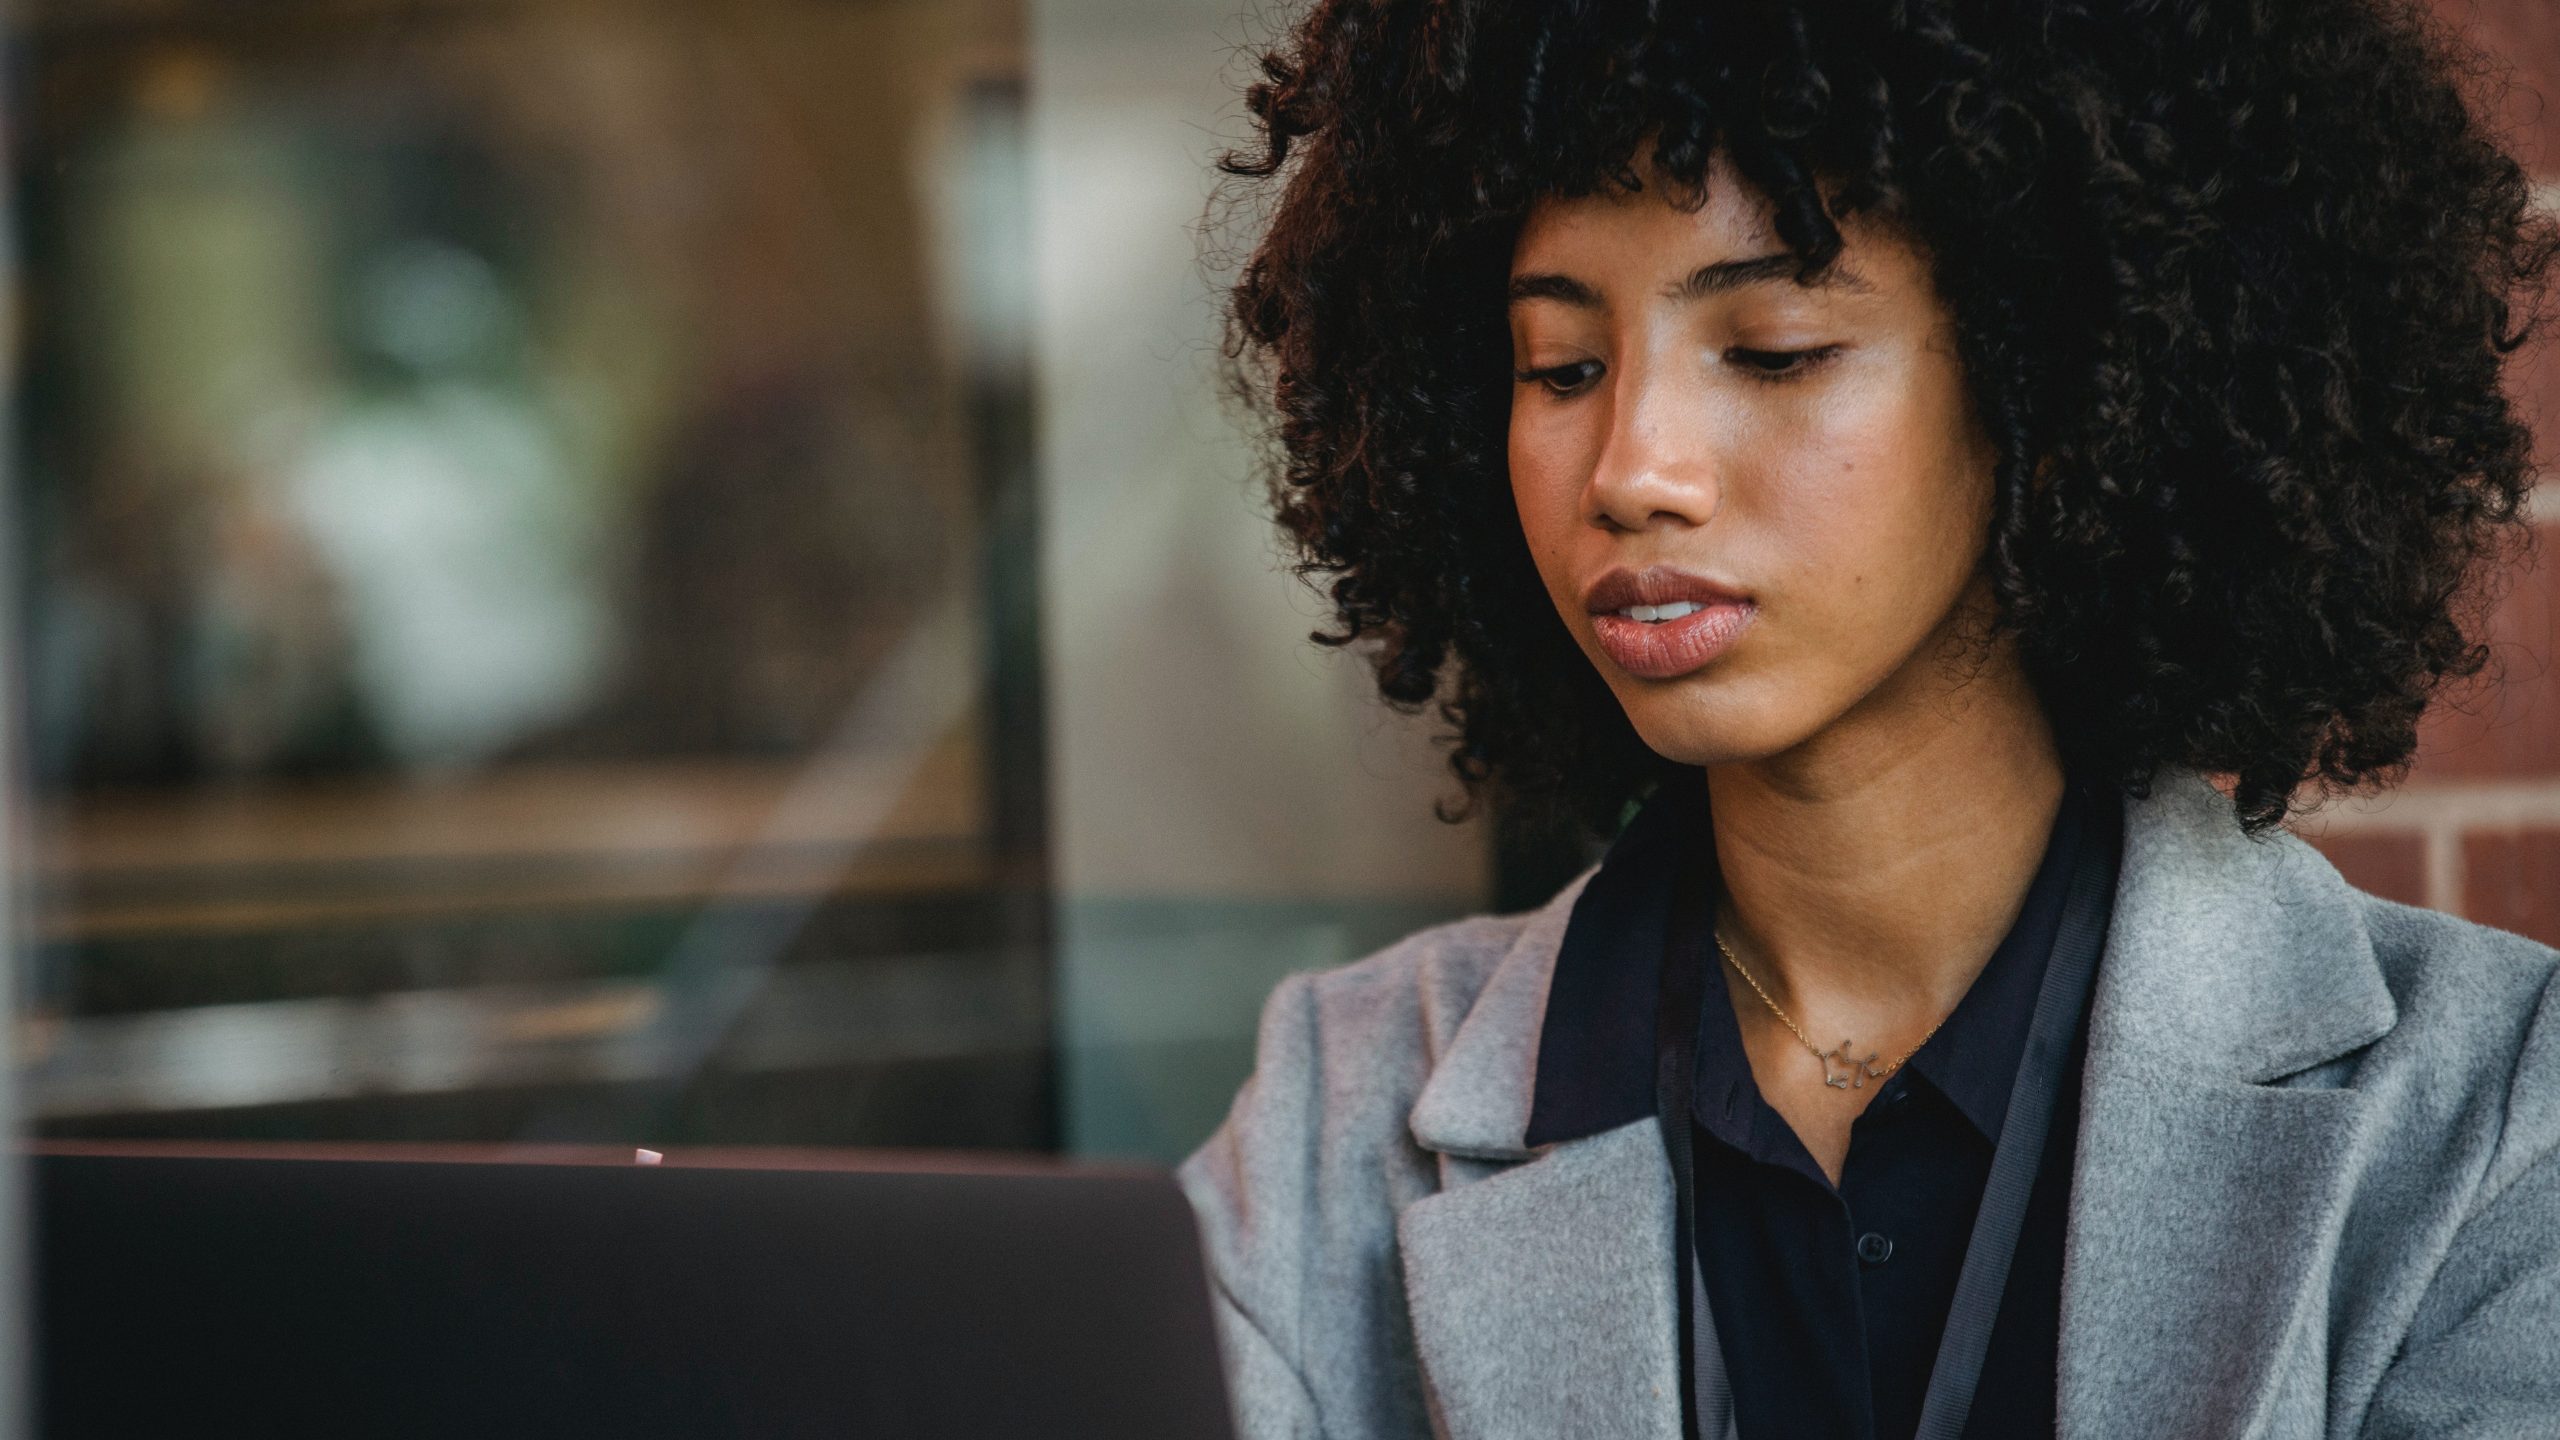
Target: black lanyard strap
{"x":1705,"y":1387}
{"x":2060,"y":1001}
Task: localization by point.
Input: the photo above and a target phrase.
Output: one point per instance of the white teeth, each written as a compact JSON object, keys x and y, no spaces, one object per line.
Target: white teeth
{"x":1672,"y":611}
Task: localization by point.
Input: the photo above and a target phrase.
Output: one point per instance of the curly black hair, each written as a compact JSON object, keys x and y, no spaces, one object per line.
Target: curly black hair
{"x":2233,"y":282}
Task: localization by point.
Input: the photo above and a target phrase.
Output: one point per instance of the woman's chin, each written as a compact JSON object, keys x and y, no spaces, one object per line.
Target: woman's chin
{"x":1719,"y":734}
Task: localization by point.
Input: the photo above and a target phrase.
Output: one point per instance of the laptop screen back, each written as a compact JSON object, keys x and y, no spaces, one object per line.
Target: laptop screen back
{"x":286,"y":1297}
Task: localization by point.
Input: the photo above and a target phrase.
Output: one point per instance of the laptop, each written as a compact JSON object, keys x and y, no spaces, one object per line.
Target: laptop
{"x":389,"y":1291}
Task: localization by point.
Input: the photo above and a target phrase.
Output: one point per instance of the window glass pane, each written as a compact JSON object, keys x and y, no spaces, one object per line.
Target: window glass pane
{"x":518,"y":631}
{"x":664,"y":572}
{"x":1232,"y":802}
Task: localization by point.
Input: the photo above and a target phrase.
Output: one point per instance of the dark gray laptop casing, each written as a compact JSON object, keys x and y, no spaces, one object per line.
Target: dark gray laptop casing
{"x":220,"y":1294}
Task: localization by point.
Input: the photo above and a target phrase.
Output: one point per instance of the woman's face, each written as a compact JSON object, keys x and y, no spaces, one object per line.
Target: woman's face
{"x":1758,"y":506}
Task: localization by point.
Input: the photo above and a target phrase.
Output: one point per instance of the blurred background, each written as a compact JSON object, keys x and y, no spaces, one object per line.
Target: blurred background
{"x":659,"y":571}
{"x":671,"y":572}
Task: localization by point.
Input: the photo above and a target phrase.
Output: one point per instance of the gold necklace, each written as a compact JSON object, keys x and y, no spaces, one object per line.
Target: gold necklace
{"x":1858,"y":1072}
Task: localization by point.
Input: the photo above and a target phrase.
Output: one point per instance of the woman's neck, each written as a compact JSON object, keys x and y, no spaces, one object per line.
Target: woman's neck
{"x":1870,"y":873}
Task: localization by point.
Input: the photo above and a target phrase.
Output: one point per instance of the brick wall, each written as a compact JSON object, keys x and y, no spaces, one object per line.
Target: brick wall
{"x":2476,"y":829}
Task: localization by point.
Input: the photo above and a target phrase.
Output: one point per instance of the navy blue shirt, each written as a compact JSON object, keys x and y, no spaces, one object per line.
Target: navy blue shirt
{"x":1829,"y":1302}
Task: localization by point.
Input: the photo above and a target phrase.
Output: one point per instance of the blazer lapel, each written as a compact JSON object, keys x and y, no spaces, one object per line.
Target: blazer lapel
{"x":1539,"y":1281}
{"x":1541,"y":1296}
{"x":2207,"y":1198}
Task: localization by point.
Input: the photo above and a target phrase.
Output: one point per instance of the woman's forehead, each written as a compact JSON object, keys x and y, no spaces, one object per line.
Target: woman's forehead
{"x":1649,"y":240}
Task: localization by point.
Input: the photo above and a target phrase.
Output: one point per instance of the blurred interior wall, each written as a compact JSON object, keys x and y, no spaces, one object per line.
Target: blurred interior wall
{"x":1230,"y":802}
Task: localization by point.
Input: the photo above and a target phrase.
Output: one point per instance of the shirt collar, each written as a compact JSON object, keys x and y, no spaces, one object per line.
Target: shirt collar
{"x":1595,"y":1043}
{"x":1973,"y":1059}
{"x":1595,"y":1053}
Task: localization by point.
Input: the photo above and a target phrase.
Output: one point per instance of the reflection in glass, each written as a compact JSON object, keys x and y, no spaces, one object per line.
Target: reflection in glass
{"x":526,"y":621}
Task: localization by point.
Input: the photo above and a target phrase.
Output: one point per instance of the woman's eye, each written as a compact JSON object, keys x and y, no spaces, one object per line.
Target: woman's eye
{"x":1560,"y":379}
{"x":1781,"y":364}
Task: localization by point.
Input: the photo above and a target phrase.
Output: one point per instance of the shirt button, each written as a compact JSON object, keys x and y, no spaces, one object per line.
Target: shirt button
{"x":1874,"y":1249}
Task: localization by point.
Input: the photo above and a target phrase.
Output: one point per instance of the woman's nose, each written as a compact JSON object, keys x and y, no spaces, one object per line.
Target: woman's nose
{"x":1658,"y":464}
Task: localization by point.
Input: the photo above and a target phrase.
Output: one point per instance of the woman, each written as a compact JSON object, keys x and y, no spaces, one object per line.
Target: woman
{"x":1960,"y":472}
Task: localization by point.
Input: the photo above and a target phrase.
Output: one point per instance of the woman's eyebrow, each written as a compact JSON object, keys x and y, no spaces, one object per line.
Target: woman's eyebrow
{"x":1725,"y":275}
{"x":1547,"y":285}
{"x":1715,"y":279}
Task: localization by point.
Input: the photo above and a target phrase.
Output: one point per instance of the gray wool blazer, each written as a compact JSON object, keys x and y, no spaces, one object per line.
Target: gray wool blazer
{"x":2317,"y":1191}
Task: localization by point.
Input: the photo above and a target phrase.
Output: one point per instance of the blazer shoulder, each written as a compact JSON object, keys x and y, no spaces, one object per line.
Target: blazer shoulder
{"x":1342,"y":1055}
{"x":2473,"y":1074}
{"x":2462,"y":986}
{"x":2477,"y":1043}
{"x":1363,"y":1037}
{"x":1439,"y":962}
{"x":1418,"y":989}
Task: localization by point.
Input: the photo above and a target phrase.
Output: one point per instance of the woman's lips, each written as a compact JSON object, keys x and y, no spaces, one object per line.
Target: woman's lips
{"x":1668,"y":649}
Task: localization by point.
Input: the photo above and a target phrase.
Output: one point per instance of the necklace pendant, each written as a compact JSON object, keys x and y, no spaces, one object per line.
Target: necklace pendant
{"x":1854,"y":1074}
